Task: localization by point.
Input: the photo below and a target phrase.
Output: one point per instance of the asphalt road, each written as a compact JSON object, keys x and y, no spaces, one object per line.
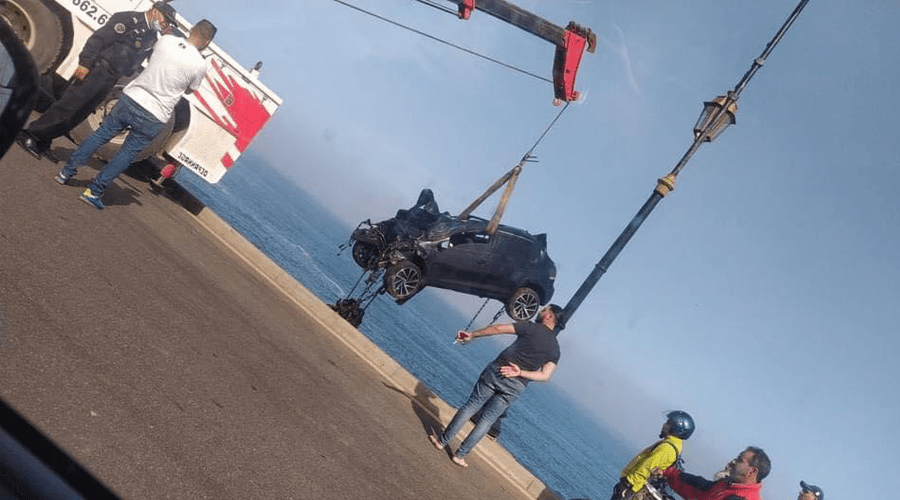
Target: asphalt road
{"x":169,"y":367}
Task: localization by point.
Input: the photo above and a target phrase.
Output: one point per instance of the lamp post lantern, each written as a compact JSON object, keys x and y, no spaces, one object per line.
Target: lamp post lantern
{"x":705,"y":125}
{"x":716,"y":116}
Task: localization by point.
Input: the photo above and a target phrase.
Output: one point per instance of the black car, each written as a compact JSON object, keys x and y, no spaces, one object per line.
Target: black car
{"x":423,"y":247}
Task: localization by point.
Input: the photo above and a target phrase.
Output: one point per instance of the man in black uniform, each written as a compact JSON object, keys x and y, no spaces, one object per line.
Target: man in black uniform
{"x":115,"y":50}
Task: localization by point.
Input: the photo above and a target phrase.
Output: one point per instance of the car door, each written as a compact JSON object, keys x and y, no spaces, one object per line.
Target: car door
{"x":509,"y":259}
{"x":460,"y":260}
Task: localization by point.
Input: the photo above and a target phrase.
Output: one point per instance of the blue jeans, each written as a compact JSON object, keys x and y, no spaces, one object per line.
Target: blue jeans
{"x":126,"y":113}
{"x":495,"y":393}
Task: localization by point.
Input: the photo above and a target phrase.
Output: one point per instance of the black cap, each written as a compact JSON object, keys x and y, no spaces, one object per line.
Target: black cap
{"x":815,"y":490}
{"x":167,"y":11}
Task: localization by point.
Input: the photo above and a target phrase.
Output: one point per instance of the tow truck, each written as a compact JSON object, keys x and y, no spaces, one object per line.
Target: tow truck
{"x":210,"y":127}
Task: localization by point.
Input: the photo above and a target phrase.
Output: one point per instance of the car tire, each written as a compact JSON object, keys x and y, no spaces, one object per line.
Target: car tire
{"x":39,"y":29}
{"x":403,"y":280}
{"x":523,"y":304}
{"x":364,"y":253}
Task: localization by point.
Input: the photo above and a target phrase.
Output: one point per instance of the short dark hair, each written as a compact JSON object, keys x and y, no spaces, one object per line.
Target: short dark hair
{"x":204,"y":30}
{"x":557,"y":317}
{"x":166,"y":10}
{"x":760,"y":462}
{"x":556,"y":310}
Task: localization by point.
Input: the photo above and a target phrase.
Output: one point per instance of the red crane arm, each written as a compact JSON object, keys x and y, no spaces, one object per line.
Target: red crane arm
{"x":570,"y":41}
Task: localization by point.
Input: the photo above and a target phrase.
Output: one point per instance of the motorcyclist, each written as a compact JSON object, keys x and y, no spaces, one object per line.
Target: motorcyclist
{"x":660,"y":455}
{"x":810,"y":492}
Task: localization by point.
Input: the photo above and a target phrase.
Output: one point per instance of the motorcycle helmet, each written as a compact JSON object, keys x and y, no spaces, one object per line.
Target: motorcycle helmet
{"x":682,"y":424}
{"x":815,"y":490}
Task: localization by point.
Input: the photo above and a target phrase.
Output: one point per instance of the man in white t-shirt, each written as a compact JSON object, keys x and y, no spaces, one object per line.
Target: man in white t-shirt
{"x":176,"y":67}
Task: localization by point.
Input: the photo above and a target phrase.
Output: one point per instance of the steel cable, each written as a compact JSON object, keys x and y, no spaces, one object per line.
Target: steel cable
{"x":469,"y":51}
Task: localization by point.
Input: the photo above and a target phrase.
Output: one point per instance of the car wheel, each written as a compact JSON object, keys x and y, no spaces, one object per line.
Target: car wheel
{"x":523,"y":304}
{"x":364,"y":253}
{"x":38,"y":28}
{"x":403,"y":280}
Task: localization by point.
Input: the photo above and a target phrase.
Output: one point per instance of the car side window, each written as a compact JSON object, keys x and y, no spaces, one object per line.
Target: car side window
{"x":468,"y":238}
{"x":514,"y":247}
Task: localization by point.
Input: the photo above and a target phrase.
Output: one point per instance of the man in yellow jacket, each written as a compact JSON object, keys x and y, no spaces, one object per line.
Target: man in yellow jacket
{"x":660,"y":455}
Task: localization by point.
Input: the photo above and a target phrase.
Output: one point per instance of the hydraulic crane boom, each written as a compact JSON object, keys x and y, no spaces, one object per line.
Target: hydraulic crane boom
{"x":570,"y":41}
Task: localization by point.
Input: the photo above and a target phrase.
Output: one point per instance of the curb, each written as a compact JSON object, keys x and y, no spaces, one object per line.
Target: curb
{"x":490,"y":451}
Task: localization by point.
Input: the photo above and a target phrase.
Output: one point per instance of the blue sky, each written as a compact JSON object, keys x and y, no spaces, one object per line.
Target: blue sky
{"x":761,"y":295}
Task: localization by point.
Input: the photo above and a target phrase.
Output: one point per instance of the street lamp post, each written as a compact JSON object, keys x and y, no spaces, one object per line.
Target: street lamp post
{"x":716,"y":116}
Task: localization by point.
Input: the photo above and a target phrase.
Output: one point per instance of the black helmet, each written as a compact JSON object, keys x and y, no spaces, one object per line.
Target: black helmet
{"x":815,"y":490}
{"x":682,"y":424}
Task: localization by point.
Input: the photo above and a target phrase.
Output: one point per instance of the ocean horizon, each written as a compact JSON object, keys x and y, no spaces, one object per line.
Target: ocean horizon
{"x":550,"y":433}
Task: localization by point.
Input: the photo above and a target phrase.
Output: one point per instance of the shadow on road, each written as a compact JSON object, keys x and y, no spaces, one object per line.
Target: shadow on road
{"x":423,"y":406}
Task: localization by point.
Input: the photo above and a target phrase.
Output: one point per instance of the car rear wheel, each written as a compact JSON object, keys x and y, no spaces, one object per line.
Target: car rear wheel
{"x":403,"y":280}
{"x":523,"y":304}
{"x":364,"y":253}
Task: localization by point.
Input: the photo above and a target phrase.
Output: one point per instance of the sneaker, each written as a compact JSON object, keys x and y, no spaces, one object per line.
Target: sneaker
{"x":29,"y":144}
{"x":62,"y":178}
{"x":88,"y":197}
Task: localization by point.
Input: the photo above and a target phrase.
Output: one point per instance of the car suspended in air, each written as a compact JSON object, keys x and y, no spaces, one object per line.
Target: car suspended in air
{"x":422,"y":247}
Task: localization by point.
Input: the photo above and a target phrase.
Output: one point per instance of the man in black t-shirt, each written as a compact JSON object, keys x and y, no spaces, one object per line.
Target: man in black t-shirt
{"x":532,"y":356}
